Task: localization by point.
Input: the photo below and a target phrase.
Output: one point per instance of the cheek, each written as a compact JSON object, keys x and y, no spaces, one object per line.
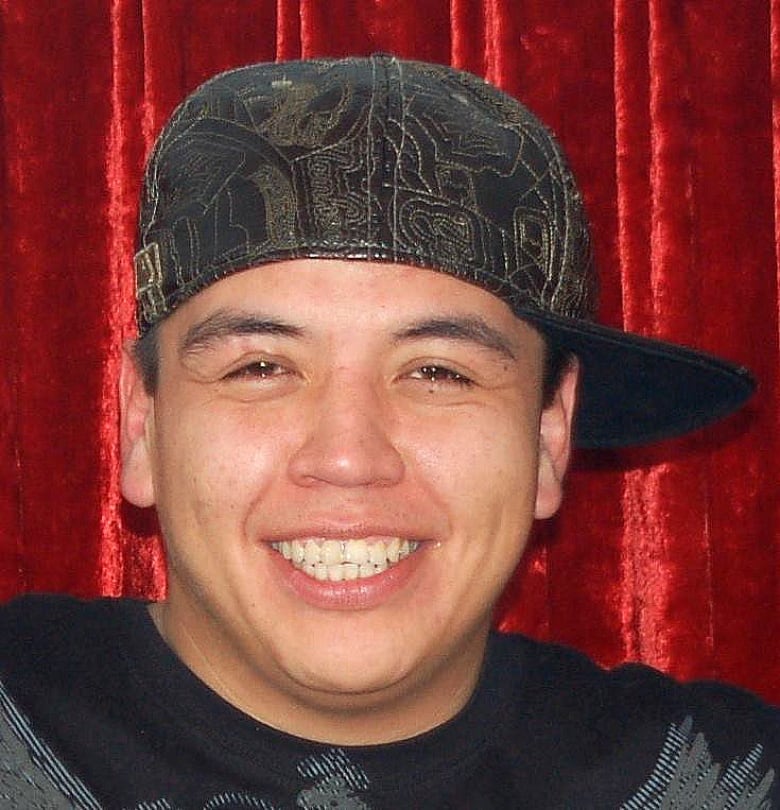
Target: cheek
{"x":486,"y":486}
{"x":483,"y":466}
{"x":212,"y":467}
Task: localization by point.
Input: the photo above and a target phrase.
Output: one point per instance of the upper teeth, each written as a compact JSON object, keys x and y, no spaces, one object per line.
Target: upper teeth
{"x":337,"y":560}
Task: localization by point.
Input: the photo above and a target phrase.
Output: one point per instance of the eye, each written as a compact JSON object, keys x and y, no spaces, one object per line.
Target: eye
{"x":441,"y":375}
{"x":257,"y":369}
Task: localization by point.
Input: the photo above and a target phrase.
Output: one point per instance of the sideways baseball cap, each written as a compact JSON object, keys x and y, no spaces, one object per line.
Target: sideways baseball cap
{"x":384,"y":159}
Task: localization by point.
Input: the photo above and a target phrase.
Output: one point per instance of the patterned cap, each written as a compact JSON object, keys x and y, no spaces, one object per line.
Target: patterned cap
{"x":390,"y":160}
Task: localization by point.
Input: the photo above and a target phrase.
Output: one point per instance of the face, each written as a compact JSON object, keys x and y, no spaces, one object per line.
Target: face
{"x":346,"y":458}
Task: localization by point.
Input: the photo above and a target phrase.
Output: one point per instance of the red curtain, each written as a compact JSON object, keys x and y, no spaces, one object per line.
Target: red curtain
{"x":668,"y":554}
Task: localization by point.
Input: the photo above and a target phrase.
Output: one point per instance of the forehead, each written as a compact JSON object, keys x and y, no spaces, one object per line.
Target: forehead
{"x":362,"y":295}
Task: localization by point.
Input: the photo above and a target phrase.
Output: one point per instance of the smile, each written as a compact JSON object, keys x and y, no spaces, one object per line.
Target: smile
{"x":340,"y":560}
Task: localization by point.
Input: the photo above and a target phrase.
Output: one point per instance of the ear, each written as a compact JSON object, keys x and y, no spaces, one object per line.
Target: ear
{"x":555,"y":430}
{"x":137,"y":419}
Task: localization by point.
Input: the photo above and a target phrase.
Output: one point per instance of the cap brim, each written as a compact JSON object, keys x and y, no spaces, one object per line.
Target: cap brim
{"x":636,"y":390}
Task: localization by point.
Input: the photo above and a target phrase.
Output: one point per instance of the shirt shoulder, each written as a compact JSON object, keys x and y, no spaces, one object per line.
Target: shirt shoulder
{"x":50,"y":646}
{"x":59,"y":635}
{"x":32,"y":775}
{"x":654,"y":741}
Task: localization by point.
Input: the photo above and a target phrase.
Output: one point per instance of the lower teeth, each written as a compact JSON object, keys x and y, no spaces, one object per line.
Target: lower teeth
{"x":340,"y":573}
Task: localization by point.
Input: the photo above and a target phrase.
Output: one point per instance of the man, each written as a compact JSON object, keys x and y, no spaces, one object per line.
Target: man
{"x":364,"y":294}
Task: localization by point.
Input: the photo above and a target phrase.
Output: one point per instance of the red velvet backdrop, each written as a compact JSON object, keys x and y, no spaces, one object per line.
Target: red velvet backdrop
{"x":668,"y":554}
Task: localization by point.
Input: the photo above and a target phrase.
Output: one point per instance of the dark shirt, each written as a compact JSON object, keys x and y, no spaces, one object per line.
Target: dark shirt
{"x":97,"y":712}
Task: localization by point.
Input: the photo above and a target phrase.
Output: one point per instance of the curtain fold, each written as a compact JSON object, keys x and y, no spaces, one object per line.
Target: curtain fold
{"x":668,"y":111}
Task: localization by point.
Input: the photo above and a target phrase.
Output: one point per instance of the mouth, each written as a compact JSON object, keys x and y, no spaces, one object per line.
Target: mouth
{"x":344,"y":560}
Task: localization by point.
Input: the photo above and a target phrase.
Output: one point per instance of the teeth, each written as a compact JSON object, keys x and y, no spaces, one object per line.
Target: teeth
{"x":311,"y":554}
{"x":356,"y":552}
{"x":350,"y":570}
{"x":393,"y":550}
{"x":330,"y":552}
{"x":377,"y":553}
{"x":337,"y":560}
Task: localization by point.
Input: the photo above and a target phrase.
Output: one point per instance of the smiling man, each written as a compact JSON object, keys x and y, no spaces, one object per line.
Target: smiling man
{"x":344,"y":490}
{"x":366,"y":349}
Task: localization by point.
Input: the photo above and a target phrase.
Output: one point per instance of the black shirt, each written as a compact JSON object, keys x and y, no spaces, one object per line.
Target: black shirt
{"x":97,"y":712}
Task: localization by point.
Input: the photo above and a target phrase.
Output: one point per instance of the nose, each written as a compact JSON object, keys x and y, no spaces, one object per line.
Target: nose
{"x":349,"y":440}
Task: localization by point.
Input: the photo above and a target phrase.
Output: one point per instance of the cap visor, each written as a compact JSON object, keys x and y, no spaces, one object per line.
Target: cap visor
{"x":636,"y":390}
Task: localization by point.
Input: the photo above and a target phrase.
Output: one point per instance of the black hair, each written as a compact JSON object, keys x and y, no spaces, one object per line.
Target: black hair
{"x":557,"y":360}
{"x":146,"y":353}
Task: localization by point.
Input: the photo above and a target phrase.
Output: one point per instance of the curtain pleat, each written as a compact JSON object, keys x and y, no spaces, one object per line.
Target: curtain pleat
{"x":667,"y":554}
{"x":12,"y":569}
{"x":696,"y":238}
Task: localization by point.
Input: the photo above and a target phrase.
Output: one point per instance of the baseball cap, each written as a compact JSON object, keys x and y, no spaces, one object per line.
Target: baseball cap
{"x":383,"y":159}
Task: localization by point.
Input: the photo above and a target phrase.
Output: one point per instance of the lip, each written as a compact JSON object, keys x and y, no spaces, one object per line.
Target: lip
{"x":359,"y":594}
{"x":354,"y":530}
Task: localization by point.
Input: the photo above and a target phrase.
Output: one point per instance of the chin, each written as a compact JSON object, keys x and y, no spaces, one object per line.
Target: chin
{"x":352,"y":666}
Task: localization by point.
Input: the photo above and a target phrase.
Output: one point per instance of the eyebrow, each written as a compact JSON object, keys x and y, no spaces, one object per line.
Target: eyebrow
{"x":224,"y":324}
{"x":467,"y":329}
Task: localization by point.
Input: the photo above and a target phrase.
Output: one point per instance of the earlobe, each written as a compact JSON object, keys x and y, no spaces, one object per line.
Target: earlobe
{"x":555,"y":437}
{"x":137,"y":414}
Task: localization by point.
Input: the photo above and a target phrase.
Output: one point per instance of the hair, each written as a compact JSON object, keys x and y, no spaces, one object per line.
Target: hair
{"x":557,"y":361}
{"x":146,"y":353}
